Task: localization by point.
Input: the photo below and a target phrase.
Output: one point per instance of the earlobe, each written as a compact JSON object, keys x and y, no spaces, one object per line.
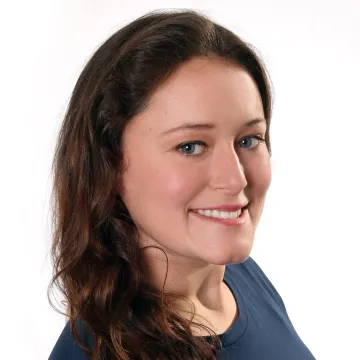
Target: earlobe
{"x":119,"y":182}
{"x":118,"y":187}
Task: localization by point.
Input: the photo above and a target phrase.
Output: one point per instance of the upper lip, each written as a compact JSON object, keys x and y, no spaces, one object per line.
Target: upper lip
{"x":223,"y":207}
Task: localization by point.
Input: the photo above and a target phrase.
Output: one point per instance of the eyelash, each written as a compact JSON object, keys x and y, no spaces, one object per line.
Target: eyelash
{"x":257,"y":137}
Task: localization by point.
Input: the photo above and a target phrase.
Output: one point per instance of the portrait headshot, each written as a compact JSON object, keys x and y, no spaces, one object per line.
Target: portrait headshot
{"x":176,"y":205}
{"x":161,"y":171}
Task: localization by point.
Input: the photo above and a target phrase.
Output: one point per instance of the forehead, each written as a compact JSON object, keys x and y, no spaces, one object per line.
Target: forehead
{"x":203,"y":89}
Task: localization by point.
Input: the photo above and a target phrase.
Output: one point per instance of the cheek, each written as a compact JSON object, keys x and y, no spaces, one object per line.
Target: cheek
{"x":162,"y":185}
{"x":158,"y":197}
{"x":177,"y":183}
{"x":259,"y":175}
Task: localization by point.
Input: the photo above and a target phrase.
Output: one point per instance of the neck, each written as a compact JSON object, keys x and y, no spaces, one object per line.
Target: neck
{"x":200,"y":282}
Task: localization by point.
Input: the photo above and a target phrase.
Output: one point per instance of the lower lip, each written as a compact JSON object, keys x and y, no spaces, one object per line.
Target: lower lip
{"x":227,"y":222}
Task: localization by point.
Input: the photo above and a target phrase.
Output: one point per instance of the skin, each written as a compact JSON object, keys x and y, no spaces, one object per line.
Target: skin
{"x":160,"y":185}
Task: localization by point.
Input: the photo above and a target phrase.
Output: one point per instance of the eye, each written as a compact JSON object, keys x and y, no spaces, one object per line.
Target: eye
{"x":193,"y":148}
{"x":248,"y":141}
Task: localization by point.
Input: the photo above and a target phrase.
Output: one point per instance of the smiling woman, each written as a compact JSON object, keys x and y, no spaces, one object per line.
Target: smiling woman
{"x":219,"y":169}
{"x":160,"y":176}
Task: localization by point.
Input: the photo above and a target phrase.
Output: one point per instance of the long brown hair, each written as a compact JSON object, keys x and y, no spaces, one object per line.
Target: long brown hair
{"x":95,"y":254}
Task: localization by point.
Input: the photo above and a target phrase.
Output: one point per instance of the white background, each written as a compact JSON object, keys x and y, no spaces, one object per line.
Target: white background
{"x":308,"y":239}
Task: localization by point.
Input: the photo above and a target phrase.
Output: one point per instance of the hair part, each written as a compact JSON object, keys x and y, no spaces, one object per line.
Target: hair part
{"x":95,"y":251}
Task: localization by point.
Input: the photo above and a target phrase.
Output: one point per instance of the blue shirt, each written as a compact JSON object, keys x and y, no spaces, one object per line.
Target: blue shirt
{"x":263,"y":330}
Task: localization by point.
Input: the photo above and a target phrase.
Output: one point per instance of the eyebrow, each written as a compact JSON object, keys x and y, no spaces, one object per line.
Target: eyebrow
{"x":201,"y":126}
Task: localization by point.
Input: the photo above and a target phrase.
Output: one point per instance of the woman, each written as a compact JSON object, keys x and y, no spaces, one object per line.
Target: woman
{"x":160,"y":176}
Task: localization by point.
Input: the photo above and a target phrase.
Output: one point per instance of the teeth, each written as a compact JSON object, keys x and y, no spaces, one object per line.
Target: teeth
{"x":220,"y":214}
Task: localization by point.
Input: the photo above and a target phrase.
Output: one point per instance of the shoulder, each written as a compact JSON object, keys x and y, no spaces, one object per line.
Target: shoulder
{"x":250,"y":273}
{"x":248,"y":268}
{"x":67,"y":349}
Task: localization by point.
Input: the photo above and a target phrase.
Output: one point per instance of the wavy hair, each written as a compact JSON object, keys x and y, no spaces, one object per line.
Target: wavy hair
{"x":95,"y":253}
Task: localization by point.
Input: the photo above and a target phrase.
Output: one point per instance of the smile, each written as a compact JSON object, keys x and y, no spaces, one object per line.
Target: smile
{"x":227,"y":218}
{"x":220,"y":214}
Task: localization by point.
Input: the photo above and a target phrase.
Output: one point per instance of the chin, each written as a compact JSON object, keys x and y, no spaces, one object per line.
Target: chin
{"x":232,"y":258}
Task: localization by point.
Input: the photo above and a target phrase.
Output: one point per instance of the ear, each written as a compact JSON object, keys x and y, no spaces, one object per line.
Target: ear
{"x":120,"y":172}
{"x":119,"y":183}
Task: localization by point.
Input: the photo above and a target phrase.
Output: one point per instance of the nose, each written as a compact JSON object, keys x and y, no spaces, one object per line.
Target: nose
{"x":227,"y":173}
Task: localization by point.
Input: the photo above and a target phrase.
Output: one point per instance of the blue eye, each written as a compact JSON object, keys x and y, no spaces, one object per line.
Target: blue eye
{"x":249,"y":143}
{"x":193,"y":148}
{"x":196,"y":148}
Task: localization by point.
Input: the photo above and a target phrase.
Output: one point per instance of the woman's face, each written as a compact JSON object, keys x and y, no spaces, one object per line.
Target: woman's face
{"x":194,"y":147}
